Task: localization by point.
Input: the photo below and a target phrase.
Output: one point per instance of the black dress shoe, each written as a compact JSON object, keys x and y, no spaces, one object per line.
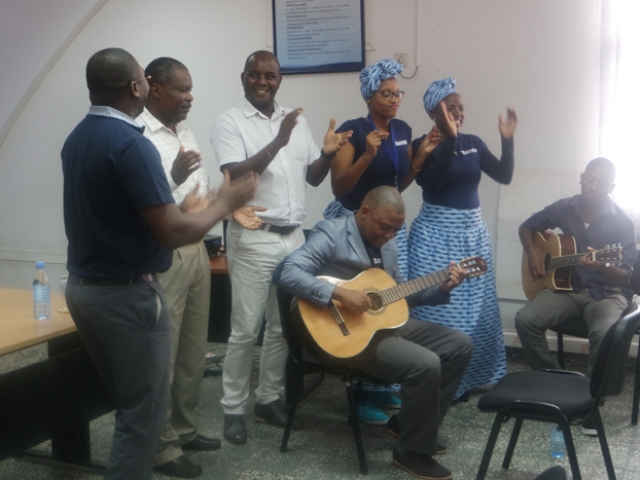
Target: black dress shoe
{"x":392,"y":428}
{"x":421,"y":466}
{"x":235,"y":431}
{"x":273,"y":413}
{"x":180,"y":467}
{"x":202,"y":444}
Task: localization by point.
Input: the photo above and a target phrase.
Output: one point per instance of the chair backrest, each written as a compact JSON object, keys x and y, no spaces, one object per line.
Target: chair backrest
{"x":607,"y":378}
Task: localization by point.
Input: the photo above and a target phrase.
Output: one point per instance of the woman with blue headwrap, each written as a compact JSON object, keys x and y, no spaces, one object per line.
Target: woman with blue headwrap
{"x":450,"y":227}
{"x":377,"y":154}
{"x":379,"y":150}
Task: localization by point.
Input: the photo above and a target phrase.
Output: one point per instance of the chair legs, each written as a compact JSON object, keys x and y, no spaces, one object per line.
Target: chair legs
{"x":292,"y":410}
{"x":356,"y":427}
{"x":605,"y":448}
{"x":491,"y":443}
{"x":515,"y":433}
{"x":561,"y":350}
{"x":636,"y":390}
{"x":501,"y":418}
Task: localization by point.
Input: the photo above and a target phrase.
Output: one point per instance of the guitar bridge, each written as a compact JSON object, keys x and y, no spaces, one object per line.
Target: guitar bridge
{"x":339,"y":320}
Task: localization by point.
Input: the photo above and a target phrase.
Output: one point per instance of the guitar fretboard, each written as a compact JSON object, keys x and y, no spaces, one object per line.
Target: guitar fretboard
{"x":395,"y":293}
{"x":564,"y":261}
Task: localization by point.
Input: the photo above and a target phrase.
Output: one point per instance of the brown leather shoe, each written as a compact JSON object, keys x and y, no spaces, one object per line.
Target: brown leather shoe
{"x":420,"y":466}
{"x":273,"y":413}
{"x":180,"y":467}
{"x":392,"y":428}
{"x":202,"y":444}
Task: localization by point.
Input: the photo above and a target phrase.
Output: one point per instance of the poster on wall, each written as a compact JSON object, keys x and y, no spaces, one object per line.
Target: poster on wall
{"x":319,"y":36}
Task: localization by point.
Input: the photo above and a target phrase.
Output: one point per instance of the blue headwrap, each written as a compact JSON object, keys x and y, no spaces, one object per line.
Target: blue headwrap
{"x":373,"y":75}
{"x":437,"y":91}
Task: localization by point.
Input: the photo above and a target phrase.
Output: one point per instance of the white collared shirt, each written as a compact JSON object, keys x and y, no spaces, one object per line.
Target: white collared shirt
{"x":243,"y":131}
{"x":168,"y":145}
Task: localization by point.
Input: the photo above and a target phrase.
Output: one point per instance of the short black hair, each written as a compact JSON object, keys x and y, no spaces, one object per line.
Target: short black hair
{"x":110,"y":70}
{"x":261,"y":53}
{"x":162,"y":70}
{"x":602,"y":163}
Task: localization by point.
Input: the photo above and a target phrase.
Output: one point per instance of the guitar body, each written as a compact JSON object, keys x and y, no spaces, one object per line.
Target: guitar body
{"x":552,"y":245}
{"x":326,"y":332}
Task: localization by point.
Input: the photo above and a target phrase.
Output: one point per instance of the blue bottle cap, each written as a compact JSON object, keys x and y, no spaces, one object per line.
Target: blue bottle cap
{"x":40,"y":264}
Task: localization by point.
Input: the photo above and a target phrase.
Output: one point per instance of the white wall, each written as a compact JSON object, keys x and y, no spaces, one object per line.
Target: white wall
{"x":540,"y":57}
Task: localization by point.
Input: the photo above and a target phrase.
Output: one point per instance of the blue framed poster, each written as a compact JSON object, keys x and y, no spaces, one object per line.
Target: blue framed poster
{"x":319,"y":36}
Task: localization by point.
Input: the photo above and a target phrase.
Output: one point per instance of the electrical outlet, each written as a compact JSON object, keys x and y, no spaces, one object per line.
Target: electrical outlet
{"x":402,"y":58}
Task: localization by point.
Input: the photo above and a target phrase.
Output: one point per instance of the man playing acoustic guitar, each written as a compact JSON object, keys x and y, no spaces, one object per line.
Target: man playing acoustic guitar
{"x":427,"y":359}
{"x":599,"y":290}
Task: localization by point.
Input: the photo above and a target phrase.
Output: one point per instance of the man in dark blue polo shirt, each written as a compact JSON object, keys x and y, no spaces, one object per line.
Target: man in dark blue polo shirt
{"x":600,"y":290}
{"x":122,"y":222}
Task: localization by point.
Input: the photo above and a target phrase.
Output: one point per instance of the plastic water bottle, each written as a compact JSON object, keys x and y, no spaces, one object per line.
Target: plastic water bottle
{"x":556,"y":445}
{"x":41,"y":293}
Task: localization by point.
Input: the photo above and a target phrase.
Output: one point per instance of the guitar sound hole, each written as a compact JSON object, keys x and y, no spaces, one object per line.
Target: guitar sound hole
{"x":376,"y":300}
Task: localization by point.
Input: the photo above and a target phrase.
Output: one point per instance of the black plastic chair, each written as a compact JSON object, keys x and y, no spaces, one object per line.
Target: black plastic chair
{"x":577,"y":328}
{"x":303,"y":362}
{"x":558,"y":396}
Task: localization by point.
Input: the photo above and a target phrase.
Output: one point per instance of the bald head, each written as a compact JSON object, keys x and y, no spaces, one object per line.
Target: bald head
{"x":381,"y":216}
{"x":383,"y":197}
{"x":261,"y":80}
{"x":260,"y":56}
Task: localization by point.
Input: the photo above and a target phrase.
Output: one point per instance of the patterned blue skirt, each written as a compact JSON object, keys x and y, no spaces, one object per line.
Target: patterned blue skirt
{"x":438,"y":236}
{"x":335,"y":209}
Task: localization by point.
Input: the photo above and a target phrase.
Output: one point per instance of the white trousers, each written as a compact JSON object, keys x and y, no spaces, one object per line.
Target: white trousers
{"x":253,"y":256}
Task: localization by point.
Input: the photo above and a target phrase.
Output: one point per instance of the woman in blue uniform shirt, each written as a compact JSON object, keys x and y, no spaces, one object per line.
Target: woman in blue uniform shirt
{"x":450,"y":227}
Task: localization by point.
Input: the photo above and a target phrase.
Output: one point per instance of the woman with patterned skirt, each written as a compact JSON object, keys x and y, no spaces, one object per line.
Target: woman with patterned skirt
{"x":378,"y":153}
{"x":450,"y":227}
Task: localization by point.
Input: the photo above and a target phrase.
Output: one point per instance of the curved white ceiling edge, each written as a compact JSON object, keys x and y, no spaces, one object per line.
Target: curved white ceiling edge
{"x":48,"y":66}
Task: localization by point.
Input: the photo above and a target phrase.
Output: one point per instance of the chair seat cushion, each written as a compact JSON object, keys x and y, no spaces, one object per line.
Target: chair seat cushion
{"x":568,"y":392}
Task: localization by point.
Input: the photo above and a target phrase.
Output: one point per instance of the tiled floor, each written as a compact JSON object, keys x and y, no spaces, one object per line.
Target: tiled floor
{"x":324,"y":449}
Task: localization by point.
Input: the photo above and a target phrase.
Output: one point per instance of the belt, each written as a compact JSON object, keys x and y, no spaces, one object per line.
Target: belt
{"x":280,"y":230}
{"x":112,"y":282}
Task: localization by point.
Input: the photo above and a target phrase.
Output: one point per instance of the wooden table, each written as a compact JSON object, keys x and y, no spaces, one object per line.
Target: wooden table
{"x":52,"y":399}
{"x":18,"y":327}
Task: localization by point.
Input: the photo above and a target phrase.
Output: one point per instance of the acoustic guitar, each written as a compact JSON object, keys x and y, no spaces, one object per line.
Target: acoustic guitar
{"x":343,"y":333}
{"x":559,"y":259}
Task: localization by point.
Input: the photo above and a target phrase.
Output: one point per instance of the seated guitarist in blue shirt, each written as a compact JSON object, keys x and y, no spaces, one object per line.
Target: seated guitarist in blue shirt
{"x":427,"y":359}
{"x":600,"y":289}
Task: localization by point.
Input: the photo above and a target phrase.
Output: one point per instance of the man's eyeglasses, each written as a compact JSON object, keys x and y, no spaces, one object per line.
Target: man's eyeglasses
{"x":126,"y":85}
{"x":146,"y":77}
{"x":388,"y":94}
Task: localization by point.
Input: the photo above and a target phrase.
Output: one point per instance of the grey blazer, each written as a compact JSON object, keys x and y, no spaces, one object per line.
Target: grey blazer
{"x":335,"y":248}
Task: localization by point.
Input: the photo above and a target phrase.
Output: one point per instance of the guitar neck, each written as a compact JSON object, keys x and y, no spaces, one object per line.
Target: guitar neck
{"x":566,"y":260}
{"x":395,"y":293}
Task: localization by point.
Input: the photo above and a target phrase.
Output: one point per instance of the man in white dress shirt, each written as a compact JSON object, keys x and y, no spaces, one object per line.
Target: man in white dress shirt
{"x":186,"y":284}
{"x":260,"y":135}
